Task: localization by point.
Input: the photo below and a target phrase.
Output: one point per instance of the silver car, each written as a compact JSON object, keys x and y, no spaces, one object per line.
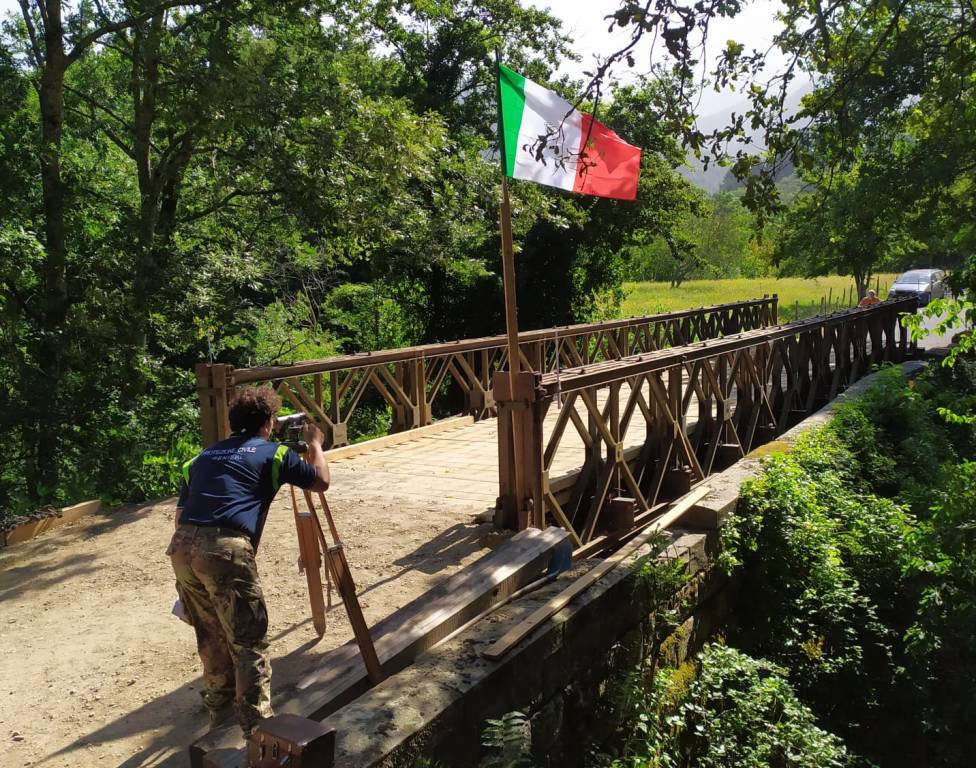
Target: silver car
{"x":925,"y":283}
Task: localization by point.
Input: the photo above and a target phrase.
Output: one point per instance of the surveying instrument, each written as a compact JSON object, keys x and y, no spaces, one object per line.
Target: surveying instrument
{"x":315,"y":550}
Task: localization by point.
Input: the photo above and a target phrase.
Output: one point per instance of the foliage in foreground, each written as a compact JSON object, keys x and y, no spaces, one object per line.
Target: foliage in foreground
{"x":737,"y":711}
{"x":508,"y":741}
{"x":858,"y":558}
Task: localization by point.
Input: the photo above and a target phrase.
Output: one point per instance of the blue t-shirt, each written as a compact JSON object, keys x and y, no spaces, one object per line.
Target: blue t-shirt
{"x":231,"y":483}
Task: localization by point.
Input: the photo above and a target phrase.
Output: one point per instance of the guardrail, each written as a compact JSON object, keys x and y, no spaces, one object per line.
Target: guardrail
{"x":648,"y":426}
{"x":416,"y":381}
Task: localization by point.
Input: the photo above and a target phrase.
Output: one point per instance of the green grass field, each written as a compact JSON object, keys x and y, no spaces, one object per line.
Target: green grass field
{"x":797,"y":296}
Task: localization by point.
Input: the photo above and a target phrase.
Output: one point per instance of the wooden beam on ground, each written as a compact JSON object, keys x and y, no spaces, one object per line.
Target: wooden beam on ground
{"x":511,"y":638}
{"x":401,"y":637}
{"x":416,"y":627}
{"x":33,"y":528}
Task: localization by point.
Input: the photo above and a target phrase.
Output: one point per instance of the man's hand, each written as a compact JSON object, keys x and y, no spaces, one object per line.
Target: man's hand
{"x":316,"y":456}
{"x":312,"y":435}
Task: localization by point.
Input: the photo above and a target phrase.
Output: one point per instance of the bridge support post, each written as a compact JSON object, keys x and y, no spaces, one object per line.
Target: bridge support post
{"x":215,"y":387}
{"x":520,"y":496}
{"x":416,"y":376}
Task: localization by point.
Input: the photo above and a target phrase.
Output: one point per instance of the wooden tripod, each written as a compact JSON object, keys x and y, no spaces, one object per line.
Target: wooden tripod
{"x":312,"y":545}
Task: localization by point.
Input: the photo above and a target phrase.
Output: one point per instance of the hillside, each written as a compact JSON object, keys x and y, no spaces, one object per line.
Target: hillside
{"x":718,"y":178}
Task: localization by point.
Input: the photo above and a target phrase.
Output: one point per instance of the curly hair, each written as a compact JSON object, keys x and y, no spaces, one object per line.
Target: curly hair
{"x":251,"y":409}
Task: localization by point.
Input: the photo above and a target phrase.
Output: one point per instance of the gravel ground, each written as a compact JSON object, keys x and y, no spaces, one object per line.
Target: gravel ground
{"x":95,"y":671}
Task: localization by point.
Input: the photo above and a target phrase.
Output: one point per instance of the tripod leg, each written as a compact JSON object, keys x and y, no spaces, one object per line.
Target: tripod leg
{"x":308,"y":547}
{"x":328,"y":518}
{"x":347,"y":589}
{"x":335,"y":557}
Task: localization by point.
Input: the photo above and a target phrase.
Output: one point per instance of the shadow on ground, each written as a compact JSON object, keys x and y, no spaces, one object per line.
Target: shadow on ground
{"x":169,"y":747}
{"x":26,"y":568}
{"x":164,"y":727}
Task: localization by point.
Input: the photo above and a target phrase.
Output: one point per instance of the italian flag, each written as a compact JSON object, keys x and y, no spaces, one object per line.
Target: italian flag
{"x":544,"y":139}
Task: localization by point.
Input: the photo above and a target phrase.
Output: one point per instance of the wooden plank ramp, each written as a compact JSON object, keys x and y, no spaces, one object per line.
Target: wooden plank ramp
{"x":401,"y":637}
{"x":515,"y":635}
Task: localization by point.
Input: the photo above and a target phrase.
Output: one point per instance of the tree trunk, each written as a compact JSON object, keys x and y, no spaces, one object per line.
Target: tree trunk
{"x":43,"y":401}
{"x":676,"y":276}
{"x":159,"y":181}
{"x":143,"y":83}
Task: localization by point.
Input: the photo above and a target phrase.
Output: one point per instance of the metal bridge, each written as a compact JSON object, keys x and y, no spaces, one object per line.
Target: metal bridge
{"x":613,"y":418}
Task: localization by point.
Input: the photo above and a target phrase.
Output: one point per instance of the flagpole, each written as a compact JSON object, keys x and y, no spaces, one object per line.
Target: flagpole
{"x":508,"y":281}
{"x":511,"y":307}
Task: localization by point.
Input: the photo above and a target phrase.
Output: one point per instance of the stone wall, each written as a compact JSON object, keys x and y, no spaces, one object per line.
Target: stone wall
{"x":561,"y":676}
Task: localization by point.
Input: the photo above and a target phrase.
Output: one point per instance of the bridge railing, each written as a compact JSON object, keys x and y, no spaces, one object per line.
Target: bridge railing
{"x":457,"y":376}
{"x":598,"y":440}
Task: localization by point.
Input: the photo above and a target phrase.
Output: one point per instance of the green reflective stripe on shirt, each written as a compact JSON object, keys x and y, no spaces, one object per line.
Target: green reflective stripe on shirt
{"x":276,"y":463}
{"x":186,"y":470}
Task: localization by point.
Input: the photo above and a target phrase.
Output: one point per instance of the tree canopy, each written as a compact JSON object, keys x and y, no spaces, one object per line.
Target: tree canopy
{"x":888,"y":121}
{"x":255,"y":183}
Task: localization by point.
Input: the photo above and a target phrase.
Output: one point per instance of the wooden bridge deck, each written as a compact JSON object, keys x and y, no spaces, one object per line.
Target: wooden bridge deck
{"x":458,"y":465}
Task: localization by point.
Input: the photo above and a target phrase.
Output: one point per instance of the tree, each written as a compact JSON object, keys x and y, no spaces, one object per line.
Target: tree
{"x":231,"y":180}
{"x":446,"y":52}
{"x":851,"y":227}
{"x":202,"y":166}
{"x":180,"y":71}
{"x":54,"y":45}
{"x":710,"y":239}
{"x":873,"y":66}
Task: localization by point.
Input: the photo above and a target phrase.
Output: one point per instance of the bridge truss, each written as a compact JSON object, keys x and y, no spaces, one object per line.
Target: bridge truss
{"x":645,"y":427}
{"x":455,"y":377}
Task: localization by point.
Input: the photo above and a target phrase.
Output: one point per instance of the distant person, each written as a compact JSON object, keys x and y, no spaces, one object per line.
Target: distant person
{"x":224,"y":500}
{"x":870,"y":300}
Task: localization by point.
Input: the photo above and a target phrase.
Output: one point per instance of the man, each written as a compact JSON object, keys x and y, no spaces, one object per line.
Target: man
{"x":870,"y":300}
{"x":224,"y":500}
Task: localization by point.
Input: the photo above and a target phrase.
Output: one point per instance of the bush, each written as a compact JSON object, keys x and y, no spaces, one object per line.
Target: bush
{"x":870,"y":601}
{"x":365,"y":317}
{"x":161,"y":473}
{"x":945,"y":551}
{"x":110,"y":451}
{"x":941,"y":644}
{"x":812,"y":547}
{"x":896,"y":439}
{"x":739,"y":711}
{"x":952,"y":392}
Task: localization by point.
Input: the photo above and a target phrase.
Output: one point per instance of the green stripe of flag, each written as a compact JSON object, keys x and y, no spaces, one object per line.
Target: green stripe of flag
{"x":512,"y":88}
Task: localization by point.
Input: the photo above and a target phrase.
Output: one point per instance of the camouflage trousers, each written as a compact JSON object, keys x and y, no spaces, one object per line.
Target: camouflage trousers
{"x":217,"y":580}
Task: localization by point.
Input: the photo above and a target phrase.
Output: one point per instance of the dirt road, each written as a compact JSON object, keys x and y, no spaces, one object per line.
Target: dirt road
{"x":95,"y":671}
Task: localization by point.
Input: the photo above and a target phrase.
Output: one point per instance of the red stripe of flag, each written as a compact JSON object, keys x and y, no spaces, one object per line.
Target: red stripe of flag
{"x":608,"y":165}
